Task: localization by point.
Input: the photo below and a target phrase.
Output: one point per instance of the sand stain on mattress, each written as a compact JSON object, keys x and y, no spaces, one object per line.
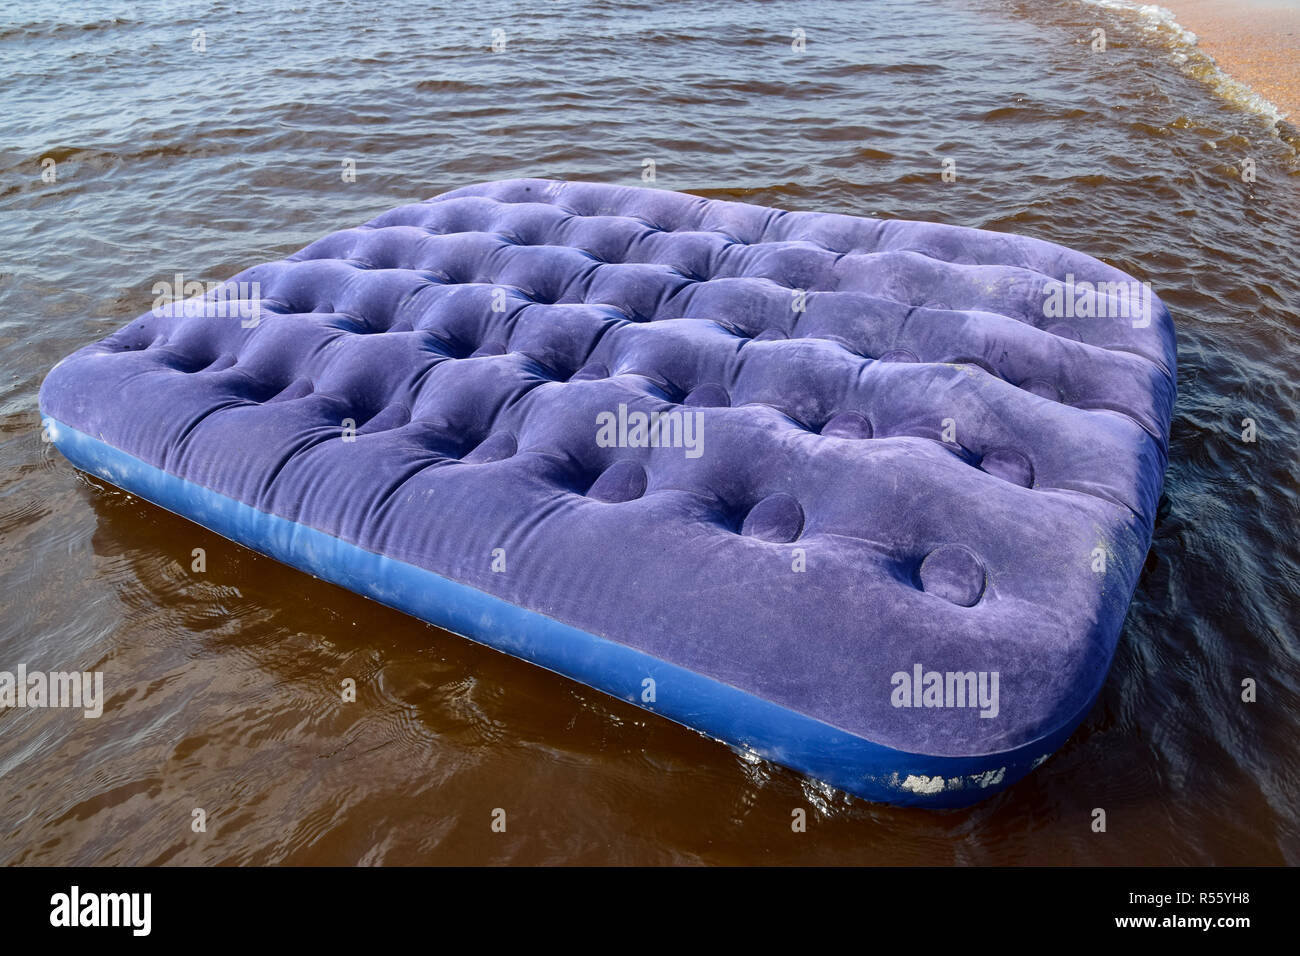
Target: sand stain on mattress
{"x":223,"y":686}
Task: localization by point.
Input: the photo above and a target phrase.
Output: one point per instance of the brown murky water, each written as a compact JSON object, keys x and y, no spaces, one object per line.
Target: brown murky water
{"x":222,"y":687}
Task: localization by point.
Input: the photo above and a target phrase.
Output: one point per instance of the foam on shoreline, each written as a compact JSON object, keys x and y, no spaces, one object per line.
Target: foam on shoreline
{"x":1249,"y":53}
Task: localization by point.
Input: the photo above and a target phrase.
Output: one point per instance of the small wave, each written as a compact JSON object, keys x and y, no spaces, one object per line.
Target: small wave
{"x":43,"y":29}
{"x":1160,"y":25}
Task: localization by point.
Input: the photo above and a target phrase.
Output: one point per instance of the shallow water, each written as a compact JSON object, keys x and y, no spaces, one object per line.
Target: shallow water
{"x":222,"y":687}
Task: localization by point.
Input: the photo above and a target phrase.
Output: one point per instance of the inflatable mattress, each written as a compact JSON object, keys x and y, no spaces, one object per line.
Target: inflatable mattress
{"x":867,"y":498}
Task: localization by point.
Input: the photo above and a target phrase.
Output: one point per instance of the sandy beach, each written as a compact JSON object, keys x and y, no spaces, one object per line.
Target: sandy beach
{"x":1256,"y":43}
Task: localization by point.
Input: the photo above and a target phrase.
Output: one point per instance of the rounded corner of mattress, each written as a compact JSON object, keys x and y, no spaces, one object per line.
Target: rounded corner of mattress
{"x":46,"y":392}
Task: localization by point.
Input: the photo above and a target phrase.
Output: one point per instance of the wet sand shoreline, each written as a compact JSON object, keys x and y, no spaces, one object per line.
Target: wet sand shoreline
{"x":1257,"y":43}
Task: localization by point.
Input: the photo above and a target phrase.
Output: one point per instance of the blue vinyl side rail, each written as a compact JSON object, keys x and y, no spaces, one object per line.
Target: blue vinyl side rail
{"x":701,"y":703}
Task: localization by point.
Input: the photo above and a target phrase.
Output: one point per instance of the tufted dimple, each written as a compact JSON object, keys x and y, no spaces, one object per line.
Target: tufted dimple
{"x":848,"y":424}
{"x":1009,"y":465}
{"x":298,"y":388}
{"x":590,"y":372}
{"x":448,"y":345}
{"x":190,"y":363}
{"x":777,"y":518}
{"x":663,"y":390}
{"x":708,"y":395}
{"x":1042,"y":388}
{"x":622,"y":481}
{"x":496,"y":447}
{"x":954,"y":573}
{"x":388,"y":418}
